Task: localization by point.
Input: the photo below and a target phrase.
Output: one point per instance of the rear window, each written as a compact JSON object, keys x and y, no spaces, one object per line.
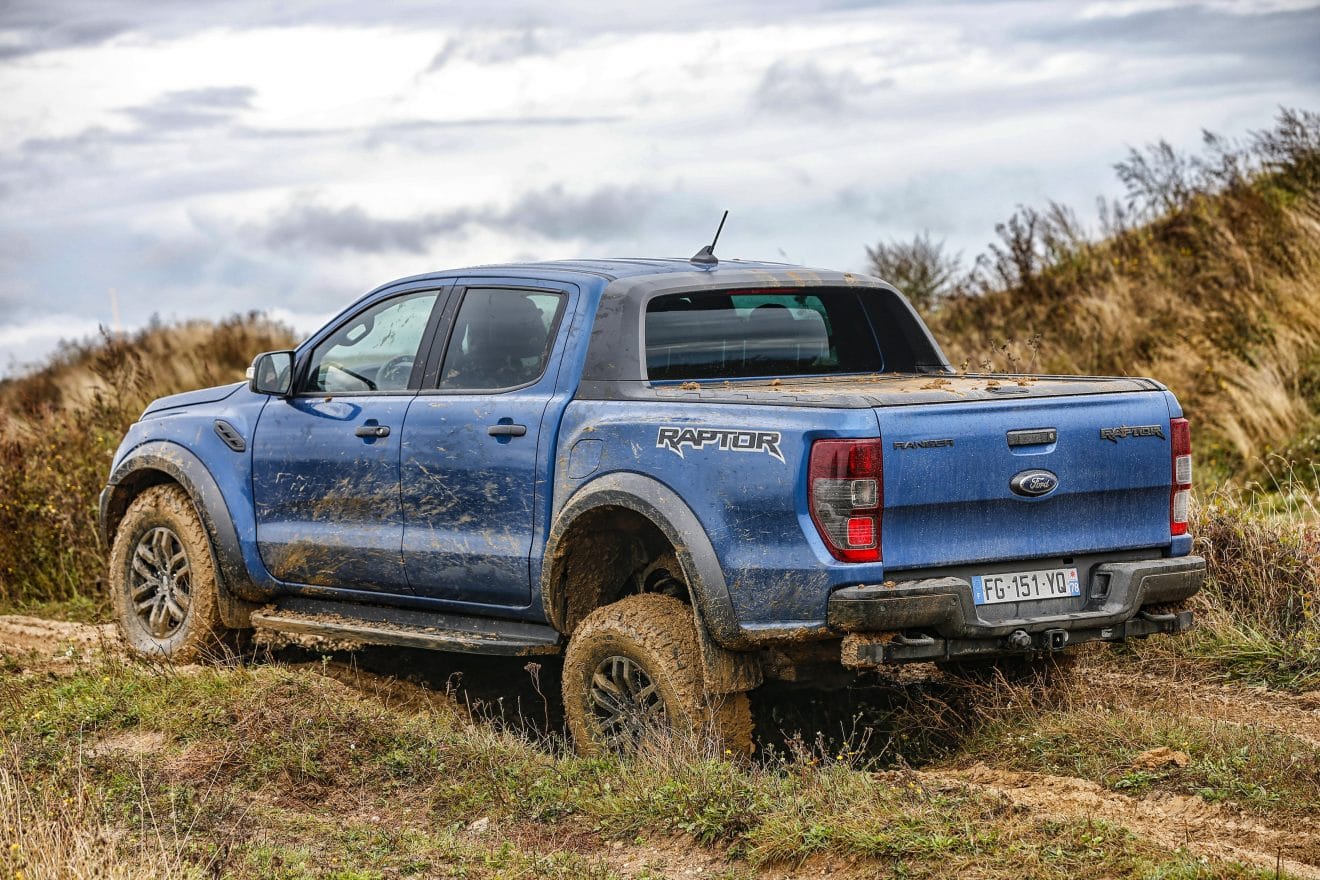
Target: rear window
{"x":744,"y":334}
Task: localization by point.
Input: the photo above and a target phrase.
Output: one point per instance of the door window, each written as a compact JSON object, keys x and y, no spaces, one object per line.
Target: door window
{"x":501,"y":339}
{"x":374,"y":350}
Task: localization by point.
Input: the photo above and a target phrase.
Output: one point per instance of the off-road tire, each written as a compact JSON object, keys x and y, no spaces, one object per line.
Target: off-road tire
{"x":164,"y":511}
{"x":657,"y":633}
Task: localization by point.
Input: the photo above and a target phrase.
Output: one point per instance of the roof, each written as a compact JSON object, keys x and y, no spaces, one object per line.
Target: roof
{"x":624,"y":267}
{"x":621,"y":268}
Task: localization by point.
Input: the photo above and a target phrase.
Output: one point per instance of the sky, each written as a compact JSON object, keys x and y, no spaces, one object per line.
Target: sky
{"x":197,"y":158}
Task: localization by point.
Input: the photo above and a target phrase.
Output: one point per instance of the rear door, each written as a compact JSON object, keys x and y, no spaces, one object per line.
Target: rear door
{"x":475,"y":456}
{"x":950,"y":472}
{"x":325,"y":462}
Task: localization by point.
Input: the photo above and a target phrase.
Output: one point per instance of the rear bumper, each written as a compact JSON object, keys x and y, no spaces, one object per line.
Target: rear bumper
{"x":949,"y":625}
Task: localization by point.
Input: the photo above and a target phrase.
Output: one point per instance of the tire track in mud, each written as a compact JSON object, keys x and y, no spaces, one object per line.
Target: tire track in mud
{"x":51,"y":645}
{"x":1172,"y":821}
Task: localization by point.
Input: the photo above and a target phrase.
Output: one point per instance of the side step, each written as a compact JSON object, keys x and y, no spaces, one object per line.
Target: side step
{"x":405,"y":627}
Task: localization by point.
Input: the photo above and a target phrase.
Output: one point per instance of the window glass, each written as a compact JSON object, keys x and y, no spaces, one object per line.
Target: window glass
{"x":375,"y":350}
{"x":758,"y":333}
{"x":501,"y":339}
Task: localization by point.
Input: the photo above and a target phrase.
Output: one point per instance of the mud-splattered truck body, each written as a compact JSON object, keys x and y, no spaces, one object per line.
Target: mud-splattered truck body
{"x":483,"y":459}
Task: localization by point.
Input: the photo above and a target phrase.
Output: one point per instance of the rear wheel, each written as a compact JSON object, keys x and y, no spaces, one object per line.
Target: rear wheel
{"x":163,"y":580}
{"x":633,"y":672}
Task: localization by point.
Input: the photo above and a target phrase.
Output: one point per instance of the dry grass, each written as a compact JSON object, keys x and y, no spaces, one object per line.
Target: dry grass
{"x":59,"y":428}
{"x":50,"y":834}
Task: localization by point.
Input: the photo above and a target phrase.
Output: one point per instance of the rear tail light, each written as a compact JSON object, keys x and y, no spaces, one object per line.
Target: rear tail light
{"x":1180,"y":494}
{"x":845,"y":487}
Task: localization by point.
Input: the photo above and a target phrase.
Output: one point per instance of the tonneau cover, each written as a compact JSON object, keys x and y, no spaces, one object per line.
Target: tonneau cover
{"x":882,"y":390}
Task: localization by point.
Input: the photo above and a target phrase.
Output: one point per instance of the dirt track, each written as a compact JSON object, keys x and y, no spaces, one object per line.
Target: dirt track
{"x":32,"y":644}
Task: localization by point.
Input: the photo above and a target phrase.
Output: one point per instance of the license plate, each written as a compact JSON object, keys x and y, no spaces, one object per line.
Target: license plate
{"x":1025,"y":586}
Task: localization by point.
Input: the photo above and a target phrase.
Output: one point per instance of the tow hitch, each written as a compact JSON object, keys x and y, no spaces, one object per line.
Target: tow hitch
{"x":1049,"y":640}
{"x":1054,"y":639}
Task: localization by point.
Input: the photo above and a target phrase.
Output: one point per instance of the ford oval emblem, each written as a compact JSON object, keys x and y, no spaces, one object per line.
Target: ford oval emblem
{"x":1034,"y":483}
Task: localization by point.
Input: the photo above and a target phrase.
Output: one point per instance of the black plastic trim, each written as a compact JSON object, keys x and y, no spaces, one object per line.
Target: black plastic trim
{"x":1032,"y":437}
{"x":680,"y":526}
{"x":186,"y":469}
{"x":385,"y":625}
{"x":230,"y":435}
{"x":871,"y":652}
{"x":945,"y":605}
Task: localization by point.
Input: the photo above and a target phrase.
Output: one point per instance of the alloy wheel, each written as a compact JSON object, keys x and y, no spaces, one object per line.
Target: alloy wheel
{"x":160,"y":582}
{"x":625,"y":701}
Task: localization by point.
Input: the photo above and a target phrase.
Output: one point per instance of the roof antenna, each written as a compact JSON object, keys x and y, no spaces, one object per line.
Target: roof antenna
{"x":706,"y":256}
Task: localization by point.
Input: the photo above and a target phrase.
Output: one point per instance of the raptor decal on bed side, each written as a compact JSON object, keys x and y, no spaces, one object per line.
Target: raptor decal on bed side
{"x":675,"y":438}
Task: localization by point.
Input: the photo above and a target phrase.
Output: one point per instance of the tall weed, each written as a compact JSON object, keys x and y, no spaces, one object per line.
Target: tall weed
{"x":1259,"y":614}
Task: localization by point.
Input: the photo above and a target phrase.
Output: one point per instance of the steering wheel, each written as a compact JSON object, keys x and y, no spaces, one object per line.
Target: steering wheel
{"x":395,"y":373}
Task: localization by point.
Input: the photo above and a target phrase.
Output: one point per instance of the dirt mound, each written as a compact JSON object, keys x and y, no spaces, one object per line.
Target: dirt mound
{"x":1171,"y":820}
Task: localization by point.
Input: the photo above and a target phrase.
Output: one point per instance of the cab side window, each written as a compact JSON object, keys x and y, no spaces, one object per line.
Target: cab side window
{"x":374,"y":350}
{"x":501,"y":339}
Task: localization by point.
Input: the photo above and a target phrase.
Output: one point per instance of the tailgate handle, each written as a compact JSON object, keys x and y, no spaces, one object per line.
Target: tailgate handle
{"x":1032,"y":437}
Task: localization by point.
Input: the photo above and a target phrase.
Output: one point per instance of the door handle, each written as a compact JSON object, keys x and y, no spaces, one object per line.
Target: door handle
{"x":372,"y":430}
{"x":503,"y":430}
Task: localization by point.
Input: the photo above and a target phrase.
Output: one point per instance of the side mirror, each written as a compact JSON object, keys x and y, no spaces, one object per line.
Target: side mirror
{"x":271,"y":373}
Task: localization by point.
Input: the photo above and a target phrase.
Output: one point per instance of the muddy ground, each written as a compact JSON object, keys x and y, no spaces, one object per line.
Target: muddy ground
{"x":523,"y":696}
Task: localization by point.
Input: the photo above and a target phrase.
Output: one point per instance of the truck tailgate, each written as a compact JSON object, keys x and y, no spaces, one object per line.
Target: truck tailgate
{"x":949,"y":472}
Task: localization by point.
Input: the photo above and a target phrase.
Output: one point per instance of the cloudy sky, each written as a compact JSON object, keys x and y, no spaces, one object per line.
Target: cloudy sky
{"x":197,"y":158}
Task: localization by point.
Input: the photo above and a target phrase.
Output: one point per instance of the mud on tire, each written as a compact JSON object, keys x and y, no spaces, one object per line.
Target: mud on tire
{"x":633,"y":669}
{"x":163,"y":579}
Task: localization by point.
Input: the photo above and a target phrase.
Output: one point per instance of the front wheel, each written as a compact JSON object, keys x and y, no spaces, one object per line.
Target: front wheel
{"x":163,"y":580}
{"x":633,"y":670}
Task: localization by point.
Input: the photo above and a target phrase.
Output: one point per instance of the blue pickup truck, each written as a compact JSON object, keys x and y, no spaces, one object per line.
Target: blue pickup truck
{"x":686,"y":476}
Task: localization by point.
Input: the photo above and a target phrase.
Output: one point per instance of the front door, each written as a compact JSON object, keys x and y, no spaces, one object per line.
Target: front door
{"x":325,"y":463}
{"x":470,"y":469}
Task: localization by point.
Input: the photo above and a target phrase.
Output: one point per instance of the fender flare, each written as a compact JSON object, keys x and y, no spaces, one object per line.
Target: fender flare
{"x":727,"y":669}
{"x":238,"y":594}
